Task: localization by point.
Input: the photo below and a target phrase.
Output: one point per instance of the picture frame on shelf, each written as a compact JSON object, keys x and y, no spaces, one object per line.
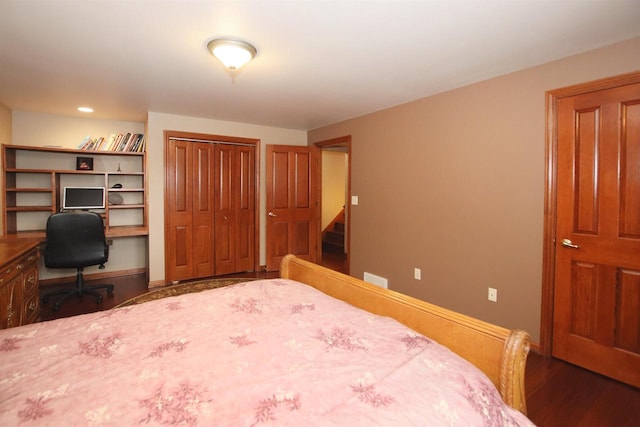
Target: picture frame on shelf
{"x":84,"y":163}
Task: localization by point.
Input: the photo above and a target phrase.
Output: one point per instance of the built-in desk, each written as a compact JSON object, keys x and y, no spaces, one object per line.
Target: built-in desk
{"x":19,"y":295}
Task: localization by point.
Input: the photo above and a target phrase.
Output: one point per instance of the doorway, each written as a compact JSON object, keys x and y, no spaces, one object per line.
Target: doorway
{"x":591,"y":268}
{"x":335,"y":196}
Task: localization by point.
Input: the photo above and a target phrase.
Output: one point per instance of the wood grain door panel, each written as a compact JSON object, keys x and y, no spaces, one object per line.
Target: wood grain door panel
{"x":203,"y":213}
{"x":245,"y":207}
{"x":292,"y":204}
{"x":597,"y":281}
{"x":179,"y":212}
{"x":224,"y":210}
{"x":235,"y":209}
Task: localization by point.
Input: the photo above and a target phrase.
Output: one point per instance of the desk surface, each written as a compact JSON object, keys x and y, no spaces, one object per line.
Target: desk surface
{"x":110,"y":233}
{"x":12,"y":248}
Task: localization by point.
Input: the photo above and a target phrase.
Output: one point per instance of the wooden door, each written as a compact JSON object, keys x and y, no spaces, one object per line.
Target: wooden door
{"x":224,"y":210}
{"x":596,"y":315}
{"x":189,"y":210}
{"x":178,"y":233}
{"x":292,"y":204}
{"x":203,"y":209}
{"x":234,"y":209}
{"x":210,"y":202}
{"x":245,"y":208}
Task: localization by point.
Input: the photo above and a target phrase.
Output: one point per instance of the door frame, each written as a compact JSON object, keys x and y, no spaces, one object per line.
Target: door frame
{"x":550,"y":191}
{"x":342,"y":141}
{"x":223,"y":139}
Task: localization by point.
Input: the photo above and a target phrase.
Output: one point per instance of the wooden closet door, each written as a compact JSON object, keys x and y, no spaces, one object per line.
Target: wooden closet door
{"x":210,"y":202}
{"x":189,"y":211}
{"x":178,"y":233}
{"x":203,"y":209}
{"x":245,"y":208}
{"x":234,"y":209}
{"x":224,"y":210}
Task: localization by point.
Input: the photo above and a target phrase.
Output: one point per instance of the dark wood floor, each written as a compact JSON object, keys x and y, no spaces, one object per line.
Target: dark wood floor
{"x":127,"y":287}
{"x":558,"y":394}
{"x":563,"y":395}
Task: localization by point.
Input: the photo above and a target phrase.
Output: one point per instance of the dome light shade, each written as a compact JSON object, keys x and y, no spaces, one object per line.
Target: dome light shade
{"x":232,"y":53}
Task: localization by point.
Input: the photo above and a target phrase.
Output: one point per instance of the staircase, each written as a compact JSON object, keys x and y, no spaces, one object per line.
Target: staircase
{"x":333,"y":235}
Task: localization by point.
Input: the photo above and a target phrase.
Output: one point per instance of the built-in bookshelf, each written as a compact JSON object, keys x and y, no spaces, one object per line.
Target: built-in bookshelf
{"x":34,"y":178}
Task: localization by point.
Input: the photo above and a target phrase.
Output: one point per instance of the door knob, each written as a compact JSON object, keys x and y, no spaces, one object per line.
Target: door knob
{"x":272,"y":214}
{"x":567,"y":243}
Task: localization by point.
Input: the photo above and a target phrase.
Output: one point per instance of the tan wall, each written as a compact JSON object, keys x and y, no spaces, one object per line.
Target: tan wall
{"x":157,"y":123}
{"x":5,"y":138}
{"x":39,"y":129}
{"x":5,"y":125}
{"x":454,"y":184}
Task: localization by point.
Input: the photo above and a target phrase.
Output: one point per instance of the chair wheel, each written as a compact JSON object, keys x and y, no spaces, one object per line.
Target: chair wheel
{"x":45,"y":299}
{"x":56,"y":307}
{"x":99,"y":299}
{"x":109,"y":290}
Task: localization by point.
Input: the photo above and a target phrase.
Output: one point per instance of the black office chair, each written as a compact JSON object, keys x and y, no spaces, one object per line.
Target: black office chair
{"x":76,"y":240}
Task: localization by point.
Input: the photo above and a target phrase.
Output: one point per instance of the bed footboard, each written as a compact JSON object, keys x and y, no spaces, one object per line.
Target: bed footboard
{"x":499,"y":352}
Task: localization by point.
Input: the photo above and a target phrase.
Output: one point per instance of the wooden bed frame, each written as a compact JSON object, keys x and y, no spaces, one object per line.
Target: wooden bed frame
{"x":500,"y":353}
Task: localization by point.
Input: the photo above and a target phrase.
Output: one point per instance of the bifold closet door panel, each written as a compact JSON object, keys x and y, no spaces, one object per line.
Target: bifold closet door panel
{"x":224,"y":210}
{"x":245,"y":208}
{"x":234,"y":209}
{"x":179,"y":212}
{"x":203,"y":209}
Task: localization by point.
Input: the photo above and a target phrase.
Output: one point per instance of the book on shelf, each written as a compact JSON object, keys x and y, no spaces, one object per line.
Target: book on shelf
{"x":127,"y":143}
{"x":89,"y":143}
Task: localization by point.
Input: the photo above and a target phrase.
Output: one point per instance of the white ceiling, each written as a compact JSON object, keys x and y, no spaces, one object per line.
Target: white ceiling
{"x":318,"y":62}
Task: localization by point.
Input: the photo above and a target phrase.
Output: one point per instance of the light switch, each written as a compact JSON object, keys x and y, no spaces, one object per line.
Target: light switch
{"x":354,"y":200}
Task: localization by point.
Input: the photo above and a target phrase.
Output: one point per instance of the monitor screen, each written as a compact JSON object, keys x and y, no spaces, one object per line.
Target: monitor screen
{"x":83,"y":198}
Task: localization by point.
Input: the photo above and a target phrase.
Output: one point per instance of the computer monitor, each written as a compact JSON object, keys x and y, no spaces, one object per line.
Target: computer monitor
{"x":83,"y":198}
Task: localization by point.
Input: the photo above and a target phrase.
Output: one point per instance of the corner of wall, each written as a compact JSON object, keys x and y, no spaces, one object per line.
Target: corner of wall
{"x":5,"y":124}
{"x":6,"y":134}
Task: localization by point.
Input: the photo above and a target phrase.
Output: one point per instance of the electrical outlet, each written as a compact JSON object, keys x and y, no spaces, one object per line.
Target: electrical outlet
{"x":493,"y":295}
{"x":417,"y":274}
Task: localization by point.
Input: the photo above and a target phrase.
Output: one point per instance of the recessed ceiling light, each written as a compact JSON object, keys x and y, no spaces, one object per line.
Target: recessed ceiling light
{"x":85,"y":109}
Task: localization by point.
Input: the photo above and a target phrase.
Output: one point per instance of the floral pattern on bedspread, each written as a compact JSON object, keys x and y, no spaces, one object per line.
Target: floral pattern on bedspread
{"x":261,"y":353}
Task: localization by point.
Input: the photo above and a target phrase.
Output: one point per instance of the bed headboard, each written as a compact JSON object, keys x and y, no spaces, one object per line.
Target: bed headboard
{"x":499,"y":352}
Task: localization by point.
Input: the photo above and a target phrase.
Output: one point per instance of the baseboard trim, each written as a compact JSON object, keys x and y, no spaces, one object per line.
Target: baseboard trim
{"x":157,"y":284}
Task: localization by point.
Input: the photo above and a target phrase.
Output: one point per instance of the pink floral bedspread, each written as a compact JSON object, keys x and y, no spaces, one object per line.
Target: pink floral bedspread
{"x":263,"y":353}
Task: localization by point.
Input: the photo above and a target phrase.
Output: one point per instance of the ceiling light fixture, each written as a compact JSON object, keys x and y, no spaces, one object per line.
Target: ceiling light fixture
{"x":233,"y":53}
{"x":85,"y":109}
